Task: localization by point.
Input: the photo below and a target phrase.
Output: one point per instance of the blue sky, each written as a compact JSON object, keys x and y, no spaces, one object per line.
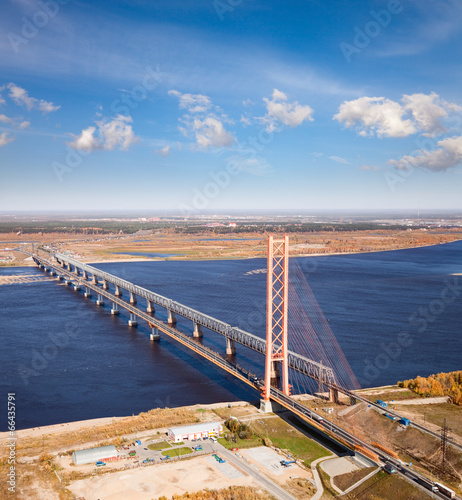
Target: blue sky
{"x":228,"y":104}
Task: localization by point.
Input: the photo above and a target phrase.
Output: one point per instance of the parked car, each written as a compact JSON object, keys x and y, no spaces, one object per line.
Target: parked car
{"x":100,"y":463}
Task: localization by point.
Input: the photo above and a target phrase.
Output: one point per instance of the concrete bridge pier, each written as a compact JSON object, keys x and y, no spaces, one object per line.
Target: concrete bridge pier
{"x":85,"y":275}
{"x":115,"y":309}
{"x":100,"y":301}
{"x":76,"y":287}
{"x":105,"y":285}
{"x":51,"y":271}
{"x":333,"y":395}
{"x":154,"y":334}
{"x":132,"y":298}
{"x":198,"y":331}
{"x":87,"y":293}
{"x":69,"y":267}
{"x":77,"y":271}
{"x":353,"y":401}
{"x":95,"y":279}
{"x":151,"y":308}
{"x":63,"y":264}
{"x":60,"y":277}
{"x":230,"y":347}
{"x":118,"y":291}
{"x":68,"y":282}
{"x":132,"y":321}
{"x":171,"y":317}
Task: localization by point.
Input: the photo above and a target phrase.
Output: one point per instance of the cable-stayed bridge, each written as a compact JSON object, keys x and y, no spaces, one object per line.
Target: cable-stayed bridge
{"x":274,"y":387}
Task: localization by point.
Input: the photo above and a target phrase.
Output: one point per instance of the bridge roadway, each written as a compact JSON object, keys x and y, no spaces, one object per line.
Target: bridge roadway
{"x":296,"y":361}
{"x":321,"y":423}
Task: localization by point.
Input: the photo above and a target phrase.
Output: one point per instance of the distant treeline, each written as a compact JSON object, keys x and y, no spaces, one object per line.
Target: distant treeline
{"x":442,"y":384}
{"x":289,"y":228}
{"x":130,"y":227}
{"x":79,"y":227}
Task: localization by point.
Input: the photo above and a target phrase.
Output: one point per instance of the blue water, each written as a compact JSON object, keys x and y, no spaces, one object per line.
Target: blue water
{"x":149,"y":254}
{"x":67,"y":359}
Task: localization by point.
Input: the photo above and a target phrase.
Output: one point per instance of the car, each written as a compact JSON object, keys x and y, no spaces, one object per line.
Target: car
{"x":221,"y":461}
{"x":198,"y":448}
{"x":100,"y":463}
{"x":216,"y":457}
{"x":165,"y":458}
{"x":234,"y":449}
{"x":146,"y":449}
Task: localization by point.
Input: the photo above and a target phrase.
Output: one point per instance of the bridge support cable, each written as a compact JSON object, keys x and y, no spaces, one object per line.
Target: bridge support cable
{"x":276,"y":319}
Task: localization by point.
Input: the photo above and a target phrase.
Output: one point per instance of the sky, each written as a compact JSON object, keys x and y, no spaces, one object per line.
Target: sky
{"x":209,"y":105}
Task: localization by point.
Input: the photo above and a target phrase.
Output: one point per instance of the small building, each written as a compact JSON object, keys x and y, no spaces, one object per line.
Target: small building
{"x":104,"y":453}
{"x":190,"y":432}
{"x":405,"y":421}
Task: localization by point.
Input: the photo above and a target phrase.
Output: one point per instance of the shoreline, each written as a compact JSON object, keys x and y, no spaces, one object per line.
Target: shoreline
{"x":185,"y":258}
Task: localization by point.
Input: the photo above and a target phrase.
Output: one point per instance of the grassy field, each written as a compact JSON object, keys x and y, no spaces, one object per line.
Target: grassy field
{"x":325,"y":480}
{"x":385,"y":486}
{"x":285,"y":437}
{"x":176,"y":452}
{"x":437,"y":413}
{"x":344,"y":481}
{"x":159,"y":446}
{"x":391,"y":395}
{"x":241,"y":443}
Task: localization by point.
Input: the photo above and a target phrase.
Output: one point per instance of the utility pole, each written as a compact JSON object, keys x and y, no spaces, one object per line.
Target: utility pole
{"x":444,"y":445}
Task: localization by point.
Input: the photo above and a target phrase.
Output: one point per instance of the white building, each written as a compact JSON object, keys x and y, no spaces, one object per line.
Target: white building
{"x":94,"y":454}
{"x":196,"y":431}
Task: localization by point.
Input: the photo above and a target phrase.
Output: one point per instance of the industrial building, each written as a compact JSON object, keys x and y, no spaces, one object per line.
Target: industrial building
{"x":190,"y":432}
{"x":90,"y":455}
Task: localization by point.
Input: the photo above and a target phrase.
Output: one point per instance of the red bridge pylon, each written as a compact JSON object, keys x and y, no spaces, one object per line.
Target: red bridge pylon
{"x":276,"y":316}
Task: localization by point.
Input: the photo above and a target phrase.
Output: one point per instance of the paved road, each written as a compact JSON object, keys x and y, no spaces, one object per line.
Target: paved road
{"x":273,"y":488}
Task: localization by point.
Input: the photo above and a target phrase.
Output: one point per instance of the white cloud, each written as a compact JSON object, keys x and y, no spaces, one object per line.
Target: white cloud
{"x":204,"y":121}
{"x":280,"y":111}
{"x":426,"y":112}
{"x":447,"y":155}
{"x":375,"y":115}
{"x":5,"y":119}
{"x":5,"y":139}
{"x":194,"y":103}
{"x":163,"y":151}
{"x":20,"y":125}
{"x":255,"y":166}
{"x":338,"y":159}
{"x":211,"y":133}
{"x":111,"y":134}
{"x":416,"y":113}
{"x":21,"y":97}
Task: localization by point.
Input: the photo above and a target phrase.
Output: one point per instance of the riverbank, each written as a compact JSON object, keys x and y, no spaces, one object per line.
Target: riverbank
{"x":89,"y":256}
